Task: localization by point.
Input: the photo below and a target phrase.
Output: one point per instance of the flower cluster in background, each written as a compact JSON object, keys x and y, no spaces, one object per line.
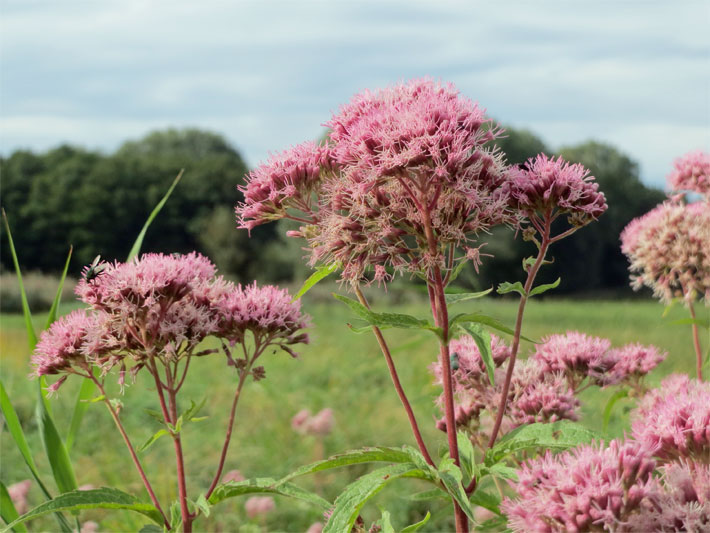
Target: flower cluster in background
{"x":320,"y":424}
{"x":691,"y":173}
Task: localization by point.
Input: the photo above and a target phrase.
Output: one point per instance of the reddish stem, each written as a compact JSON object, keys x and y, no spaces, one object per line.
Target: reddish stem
{"x":397,"y":385}
{"x":187,"y":518}
{"x":696,"y":343}
{"x":131,"y":450}
{"x":518,"y":327}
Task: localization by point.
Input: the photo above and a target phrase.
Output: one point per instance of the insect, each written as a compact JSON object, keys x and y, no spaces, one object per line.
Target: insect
{"x":94,"y":269}
{"x":454,"y":361}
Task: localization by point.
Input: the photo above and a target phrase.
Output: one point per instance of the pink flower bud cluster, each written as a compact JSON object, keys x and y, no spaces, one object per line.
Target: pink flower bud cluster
{"x":287,"y":181}
{"x":162,"y":305}
{"x":593,"y":487}
{"x":682,"y":504}
{"x":18,"y":494}
{"x":259,"y":506}
{"x":319,"y":424}
{"x":674,"y":420}
{"x":669,"y":252}
{"x":554,"y":186}
{"x":691,"y":173}
{"x":581,"y":357}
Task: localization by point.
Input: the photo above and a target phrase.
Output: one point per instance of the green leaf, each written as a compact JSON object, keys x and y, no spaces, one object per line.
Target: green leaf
{"x":353,"y":498}
{"x":483,"y":340}
{"x":151,"y":528}
{"x":52,"y":316}
{"x":31,"y":336}
{"x":457,"y":269}
{"x":418,"y":525}
{"x":433,"y":494}
{"x":486,"y":320}
{"x":691,"y":321}
{"x":7,"y":509}
{"x":499,"y":470}
{"x":265,"y":485}
{"x":466,"y":454}
{"x":497,"y":523}
{"x":193,"y":409}
{"x":462,"y":297}
{"x":83,"y":399}
{"x":452,"y":478}
{"x":320,"y":274}
{"x":544,"y":288}
{"x":103,"y":498}
{"x":506,"y":287}
{"x":486,"y":500}
{"x":352,"y":457}
{"x":203,"y":505}
{"x":147,"y":444}
{"x":559,"y":435}
{"x":386,"y":523}
{"x":15,"y":428}
{"x":136,"y":249}
{"x":618,"y":395}
{"x":54,"y":447}
{"x":388,"y":320}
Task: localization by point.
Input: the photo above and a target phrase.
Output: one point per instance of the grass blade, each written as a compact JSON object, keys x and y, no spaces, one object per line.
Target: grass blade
{"x":7,"y":509}
{"x":31,"y":336}
{"x":57,"y":297}
{"x":86,"y":392}
{"x":136,"y":249}
{"x":54,"y":447}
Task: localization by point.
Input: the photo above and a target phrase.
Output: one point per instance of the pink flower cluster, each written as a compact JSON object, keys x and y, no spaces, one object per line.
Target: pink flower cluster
{"x":319,"y":424}
{"x":668,"y":251}
{"x":581,"y":357}
{"x":162,"y":306}
{"x":554,"y":186}
{"x":674,"y":420}
{"x":592,"y":487}
{"x":18,"y":494}
{"x":259,"y":506}
{"x":691,"y":173}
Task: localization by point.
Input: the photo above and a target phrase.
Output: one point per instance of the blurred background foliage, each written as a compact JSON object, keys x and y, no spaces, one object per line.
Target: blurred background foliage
{"x":98,"y":202}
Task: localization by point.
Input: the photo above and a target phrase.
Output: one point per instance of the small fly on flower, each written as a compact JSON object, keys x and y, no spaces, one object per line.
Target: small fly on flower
{"x":454,"y":362}
{"x":94,"y":269}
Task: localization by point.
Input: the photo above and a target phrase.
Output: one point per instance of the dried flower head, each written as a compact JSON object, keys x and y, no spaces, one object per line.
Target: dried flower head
{"x":674,"y":420}
{"x":691,"y":173}
{"x":577,"y":355}
{"x":592,"y":487}
{"x":288,"y":180}
{"x":550,"y":186}
{"x":668,"y":251}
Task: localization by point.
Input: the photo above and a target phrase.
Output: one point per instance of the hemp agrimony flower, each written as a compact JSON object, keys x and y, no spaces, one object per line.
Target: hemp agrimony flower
{"x":691,"y":173}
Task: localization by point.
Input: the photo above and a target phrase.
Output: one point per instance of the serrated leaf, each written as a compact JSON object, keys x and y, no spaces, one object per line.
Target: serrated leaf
{"x":152,"y":439}
{"x":486,"y":500}
{"x":233,"y":489}
{"x":544,"y":288}
{"x":136,"y":248}
{"x":415,"y":527}
{"x":103,"y":498}
{"x":480,"y":318}
{"x":320,"y":274}
{"x":388,"y":320}
{"x":507,"y":287}
{"x":203,"y":505}
{"x":462,"y":297}
{"x":618,"y":395}
{"x":353,"y":498}
{"x":7,"y":509}
{"x":559,"y":435}
{"x":483,"y":340}
{"x":467,"y":456}
{"x":352,"y":457}
{"x":452,"y":478}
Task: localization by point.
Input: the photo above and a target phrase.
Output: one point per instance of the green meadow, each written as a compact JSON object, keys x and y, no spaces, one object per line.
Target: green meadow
{"x":338,"y":369}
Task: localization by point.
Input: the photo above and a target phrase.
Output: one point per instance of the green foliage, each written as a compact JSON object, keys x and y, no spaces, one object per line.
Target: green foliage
{"x":417,"y":526}
{"x":545,"y":287}
{"x":609,"y":407}
{"x":7,"y":509}
{"x":483,"y":340}
{"x":320,"y":274}
{"x":233,"y":489}
{"x":465,"y":296}
{"x":103,"y":498}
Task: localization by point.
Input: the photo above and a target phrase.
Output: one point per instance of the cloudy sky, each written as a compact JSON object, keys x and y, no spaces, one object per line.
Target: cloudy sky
{"x":266,"y":74}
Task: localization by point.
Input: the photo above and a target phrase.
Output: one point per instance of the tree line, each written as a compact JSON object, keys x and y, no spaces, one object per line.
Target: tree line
{"x":98,"y":203}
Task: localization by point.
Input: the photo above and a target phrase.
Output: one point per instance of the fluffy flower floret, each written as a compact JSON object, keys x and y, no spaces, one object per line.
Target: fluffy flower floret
{"x":691,"y":172}
{"x":632,"y":362}
{"x":674,"y":420}
{"x":268,"y":312}
{"x":287,"y":180}
{"x":548,"y":185}
{"x":60,"y":347}
{"x":668,"y":251}
{"x":575,"y":354}
{"x":592,"y":487}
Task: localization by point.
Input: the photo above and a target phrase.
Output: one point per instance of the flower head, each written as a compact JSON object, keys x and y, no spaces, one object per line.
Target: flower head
{"x":577,"y":355}
{"x":60,"y":347}
{"x":548,"y":185}
{"x":674,"y":420}
{"x":592,"y":486}
{"x":632,"y":362}
{"x":691,"y":173}
{"x":668,"y":250}
{"x":286,"y":180}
